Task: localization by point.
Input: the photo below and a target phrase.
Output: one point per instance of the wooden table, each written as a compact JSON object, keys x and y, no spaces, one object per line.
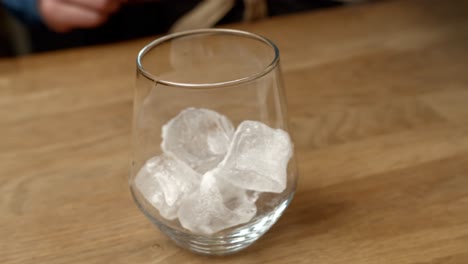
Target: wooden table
{"x":378,"y":98}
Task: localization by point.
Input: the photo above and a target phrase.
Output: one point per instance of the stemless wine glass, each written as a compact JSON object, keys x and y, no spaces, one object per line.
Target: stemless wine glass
{"x":198,"y":160}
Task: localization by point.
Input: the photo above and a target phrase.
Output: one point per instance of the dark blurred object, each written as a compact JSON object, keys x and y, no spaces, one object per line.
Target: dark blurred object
{"x":6,"y":47}
{"x":14,"y":38}
{"x":144,"y":19}
{"x":132,"y":21}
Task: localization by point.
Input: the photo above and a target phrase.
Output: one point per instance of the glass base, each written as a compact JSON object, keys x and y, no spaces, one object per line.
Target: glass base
{"x":230,"y":241}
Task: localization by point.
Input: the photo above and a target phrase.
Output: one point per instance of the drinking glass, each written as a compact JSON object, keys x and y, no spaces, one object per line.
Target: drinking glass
{"x":226,"y":74}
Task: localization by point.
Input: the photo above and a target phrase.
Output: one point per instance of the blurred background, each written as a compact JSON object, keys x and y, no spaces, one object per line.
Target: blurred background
{"x":32,"y":26}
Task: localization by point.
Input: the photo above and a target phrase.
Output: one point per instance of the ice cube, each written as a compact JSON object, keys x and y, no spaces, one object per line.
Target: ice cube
{"x":164,"y":182}
{"x":198,"y":137}
{"x":216,"y":206}
{"x":257,"y":159}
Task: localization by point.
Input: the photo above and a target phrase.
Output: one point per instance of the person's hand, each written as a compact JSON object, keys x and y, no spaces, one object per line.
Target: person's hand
{"x":66,"y":15}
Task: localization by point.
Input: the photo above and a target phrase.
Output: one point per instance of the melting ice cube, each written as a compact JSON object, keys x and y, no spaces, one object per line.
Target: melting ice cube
{"x":164,"y":182}
{"x":198,"y":137}
{"x":257,"y":159}
{"x":216,"y":206}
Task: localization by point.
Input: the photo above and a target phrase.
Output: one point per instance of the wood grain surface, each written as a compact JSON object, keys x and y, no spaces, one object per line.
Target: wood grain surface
{"x":378,"y":103}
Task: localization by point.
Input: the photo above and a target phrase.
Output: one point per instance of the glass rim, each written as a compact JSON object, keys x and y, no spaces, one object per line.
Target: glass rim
{"x":238,"y":81}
